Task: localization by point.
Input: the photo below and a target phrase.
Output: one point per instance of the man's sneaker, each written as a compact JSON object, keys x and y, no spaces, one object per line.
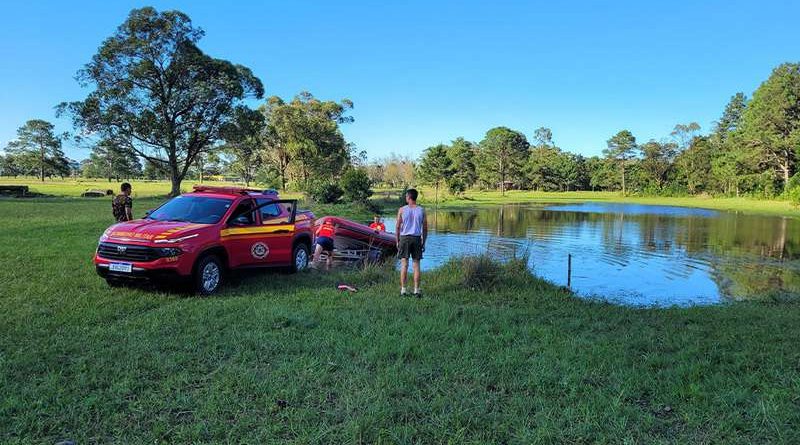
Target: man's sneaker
{"x":418,"y":294}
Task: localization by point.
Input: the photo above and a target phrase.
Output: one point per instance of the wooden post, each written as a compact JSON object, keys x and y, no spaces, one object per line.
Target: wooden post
{"x":569,"y":271}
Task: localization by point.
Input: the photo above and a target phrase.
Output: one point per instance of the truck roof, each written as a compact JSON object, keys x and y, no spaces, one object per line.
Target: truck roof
{"x":234,"y":190}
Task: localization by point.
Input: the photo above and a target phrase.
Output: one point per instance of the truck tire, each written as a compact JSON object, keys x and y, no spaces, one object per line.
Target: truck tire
{"x":207,"y":275}
{"x":300,"y":254}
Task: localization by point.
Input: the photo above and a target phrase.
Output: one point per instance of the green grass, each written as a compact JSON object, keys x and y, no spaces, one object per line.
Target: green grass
{"x":746,"y":205}
{"x":388,"y":198}
{"x":287,"y":359}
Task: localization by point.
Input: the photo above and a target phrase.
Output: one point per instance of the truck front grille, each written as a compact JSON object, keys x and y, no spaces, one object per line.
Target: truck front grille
{"x":126,"y":252}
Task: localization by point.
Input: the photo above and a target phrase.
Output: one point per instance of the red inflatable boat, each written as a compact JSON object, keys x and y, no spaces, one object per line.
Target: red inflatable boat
{"x":356,"y":241}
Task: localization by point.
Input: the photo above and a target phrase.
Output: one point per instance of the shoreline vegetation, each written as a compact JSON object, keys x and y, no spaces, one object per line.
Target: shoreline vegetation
{"x":388,"y":198}
{"x":483,"y":358}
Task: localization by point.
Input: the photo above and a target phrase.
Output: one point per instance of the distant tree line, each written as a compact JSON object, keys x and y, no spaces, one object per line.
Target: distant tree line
{"x":751,"y":150}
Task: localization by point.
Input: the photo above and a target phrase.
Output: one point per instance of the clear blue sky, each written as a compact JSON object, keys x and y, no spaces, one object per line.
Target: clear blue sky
{"x":425,"y":72}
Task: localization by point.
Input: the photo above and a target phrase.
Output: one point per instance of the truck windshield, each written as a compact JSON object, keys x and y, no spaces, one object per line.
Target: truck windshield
{"x":194,"y":209}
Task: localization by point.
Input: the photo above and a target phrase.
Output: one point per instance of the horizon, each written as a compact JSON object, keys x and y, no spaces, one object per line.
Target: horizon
{"x":422,"y":74}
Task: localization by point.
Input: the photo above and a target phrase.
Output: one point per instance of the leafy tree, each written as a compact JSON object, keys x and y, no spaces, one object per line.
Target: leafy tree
{"x":621,"y":148}
{"x":398,"y":171}
{"x":731,"y":117}
{"x":38,"y":148}
{"x":356,"y":185}
{"x":435,"y":167}
{"x":540,"y":169}
{"x":656,"y":162}
{"x":325,"y":192}
{"x":245,"y":144}
{"x":158,"y":94}
{"x":543,"y":136}
{"x":693,"y":167}
{"x":303,"y":137}
{"x":502,"y":155}
{"x":602,"y":174}
{"x":683,"y":134}
{"x":112,"y":161}
{"x":462,"y":159}
{"x":771,"y":122}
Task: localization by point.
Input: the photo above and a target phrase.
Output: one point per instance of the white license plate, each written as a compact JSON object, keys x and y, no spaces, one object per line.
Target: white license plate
{"x":121,"y":267}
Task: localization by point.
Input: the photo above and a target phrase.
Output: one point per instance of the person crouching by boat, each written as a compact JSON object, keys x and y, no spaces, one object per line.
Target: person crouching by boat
{"x":324,"y":242}
{"x":377,"y":225}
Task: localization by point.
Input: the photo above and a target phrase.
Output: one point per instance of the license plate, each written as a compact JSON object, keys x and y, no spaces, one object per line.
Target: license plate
{"x":121,"y":267}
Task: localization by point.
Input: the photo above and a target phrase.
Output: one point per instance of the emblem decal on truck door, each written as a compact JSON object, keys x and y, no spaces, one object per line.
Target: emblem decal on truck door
{"x":259,"y":250}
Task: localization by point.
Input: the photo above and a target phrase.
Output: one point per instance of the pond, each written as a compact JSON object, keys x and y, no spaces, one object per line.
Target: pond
{"x":638,"y":255}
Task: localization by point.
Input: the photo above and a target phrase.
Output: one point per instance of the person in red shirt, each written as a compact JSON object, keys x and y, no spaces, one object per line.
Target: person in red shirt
{"x":377,"y":225}
{"x":324,"y":242}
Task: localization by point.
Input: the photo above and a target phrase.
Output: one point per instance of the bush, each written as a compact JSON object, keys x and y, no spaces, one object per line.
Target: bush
{"x":480,"y":272}
{"x":485,"y":273}
{"x":356,"y":185}
{"x":325,"y":192}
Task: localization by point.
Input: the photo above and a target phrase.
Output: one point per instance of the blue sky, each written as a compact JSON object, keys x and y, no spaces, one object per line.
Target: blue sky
{"x":425,"y":72}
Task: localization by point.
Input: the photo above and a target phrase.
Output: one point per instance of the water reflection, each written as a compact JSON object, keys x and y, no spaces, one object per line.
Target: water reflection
{"x":632,"y":254}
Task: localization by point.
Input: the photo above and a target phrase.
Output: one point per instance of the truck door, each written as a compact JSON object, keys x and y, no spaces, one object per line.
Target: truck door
{"x":277,"y":225}
{"x":240,"y":235}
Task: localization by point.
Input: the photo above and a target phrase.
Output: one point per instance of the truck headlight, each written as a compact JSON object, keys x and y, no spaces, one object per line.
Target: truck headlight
{"x":169,"y":251}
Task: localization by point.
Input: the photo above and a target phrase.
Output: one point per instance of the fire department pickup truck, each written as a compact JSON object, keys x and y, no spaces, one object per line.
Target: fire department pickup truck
{"x":199,"y":236}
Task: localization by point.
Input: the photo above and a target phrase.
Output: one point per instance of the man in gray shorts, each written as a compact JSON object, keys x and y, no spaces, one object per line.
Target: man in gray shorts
{"x":411,"y":233}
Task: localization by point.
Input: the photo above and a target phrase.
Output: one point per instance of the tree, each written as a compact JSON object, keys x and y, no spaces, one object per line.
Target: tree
{"x":621,"y":148}
{"x":303,"y":137}
{"x":771,"y":122}
{"x":38,"y":148}
{"x":731,"y":117}
{"x":462,"y":160}
{"x":245,"y":144}
{"x":683,"y":134}
{"x":656,"y":163}
{"x":435,"y":167}
{"x":158,"y":94}
{"x":111,"y":161}
{"x":543,"y":136}
{"x":502,"y":154}
{"x":356,"y":185}
{"x":398,"y":171}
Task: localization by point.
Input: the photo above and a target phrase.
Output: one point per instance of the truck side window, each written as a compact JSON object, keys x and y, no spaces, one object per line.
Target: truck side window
{"x":244,"y":214}
{"x":274,"y":213}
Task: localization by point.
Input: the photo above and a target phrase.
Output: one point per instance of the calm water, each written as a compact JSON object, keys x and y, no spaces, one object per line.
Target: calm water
{"x":631,"y":254}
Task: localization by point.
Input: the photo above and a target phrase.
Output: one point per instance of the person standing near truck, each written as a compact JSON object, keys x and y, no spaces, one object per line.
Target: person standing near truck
{"x":411,"y":233}
{"x":122,"y":204}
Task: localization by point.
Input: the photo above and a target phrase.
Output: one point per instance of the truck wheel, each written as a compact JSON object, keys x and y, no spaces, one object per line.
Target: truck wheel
{"x":299,"y":257}
{"x":207,"y":275}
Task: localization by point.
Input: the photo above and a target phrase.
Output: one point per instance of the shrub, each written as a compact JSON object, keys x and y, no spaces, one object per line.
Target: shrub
{"x":325,"y":192}
{"x":485,"y":273}
{"x":356,"y":185}
{"x":481,"y":272}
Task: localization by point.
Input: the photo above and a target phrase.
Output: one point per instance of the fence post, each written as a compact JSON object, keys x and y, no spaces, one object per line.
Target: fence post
{"x":569,"y":271}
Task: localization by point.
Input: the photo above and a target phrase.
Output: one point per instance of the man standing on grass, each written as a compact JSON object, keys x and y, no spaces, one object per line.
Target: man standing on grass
{"x":411,"y":233}
{"x":122,"y":205}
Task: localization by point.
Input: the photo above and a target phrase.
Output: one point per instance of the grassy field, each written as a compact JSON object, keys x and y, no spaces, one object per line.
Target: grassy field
{"x":144,"y":189}
{"x":287,"y":359}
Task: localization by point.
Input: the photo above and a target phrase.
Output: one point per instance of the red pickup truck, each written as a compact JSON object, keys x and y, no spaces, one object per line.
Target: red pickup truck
{"x":198,"y":236}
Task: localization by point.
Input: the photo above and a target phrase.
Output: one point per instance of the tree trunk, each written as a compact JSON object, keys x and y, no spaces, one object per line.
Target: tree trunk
{"x":175,"y":179}
{"x":41,"y":165}
{"x":623,"y":179}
